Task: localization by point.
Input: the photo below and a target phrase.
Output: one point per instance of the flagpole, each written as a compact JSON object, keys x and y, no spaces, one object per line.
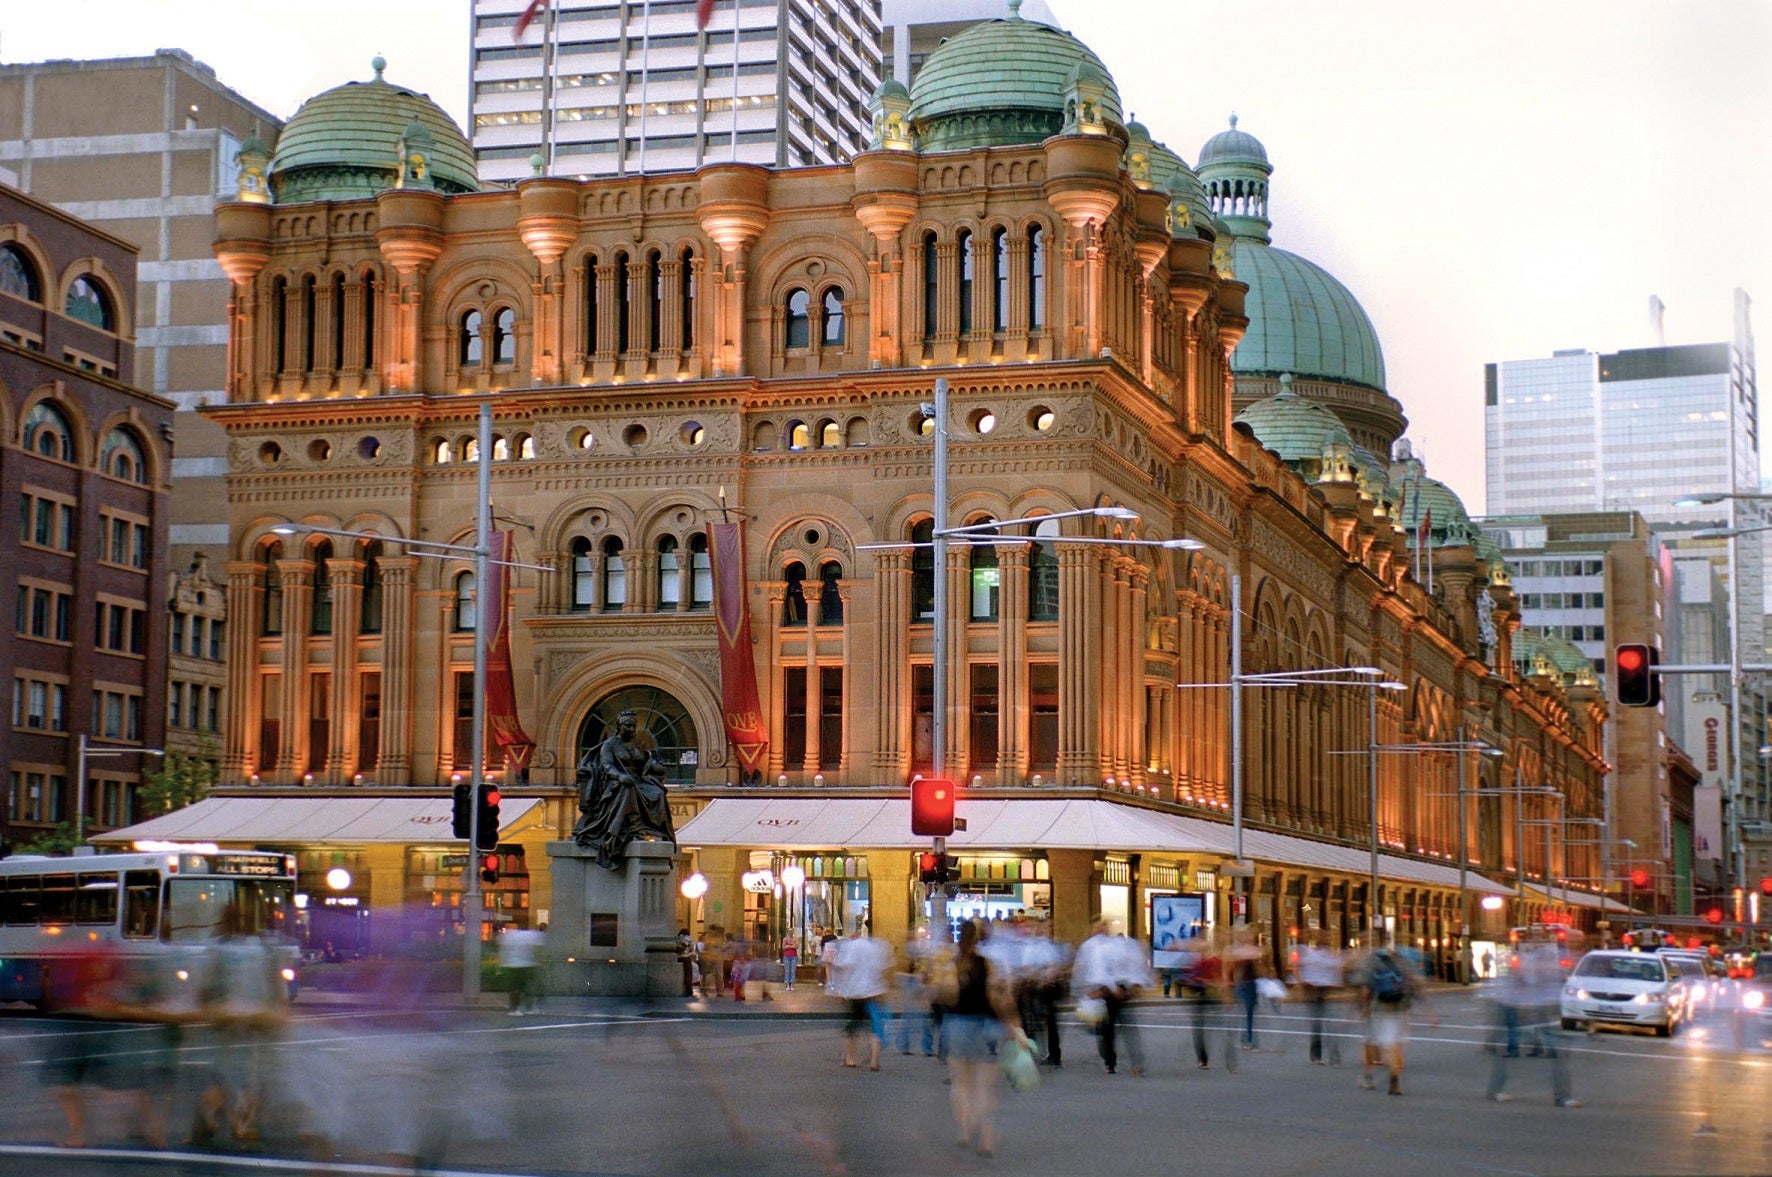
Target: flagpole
{"x":645,"y":74}
{"x":550,"y":114}
{"x":737,"y":7}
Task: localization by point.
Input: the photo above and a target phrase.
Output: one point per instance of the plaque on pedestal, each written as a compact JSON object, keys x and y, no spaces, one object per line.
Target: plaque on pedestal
{"x":613,"y":931}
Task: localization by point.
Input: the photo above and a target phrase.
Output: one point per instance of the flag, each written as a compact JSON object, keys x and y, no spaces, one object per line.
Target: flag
{"x":502,"y":722}
{"x":704,"y":9}
{"x":739,"y":704}
{"x":529,"y":14}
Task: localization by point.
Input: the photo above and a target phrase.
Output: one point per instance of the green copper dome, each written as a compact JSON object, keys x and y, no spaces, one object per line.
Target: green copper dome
{"x":344,"y":144}
{"x":1233,"y":146}
{"x":1430,"y":501}
{"x":1303,"y":321}
{"x":1298,"y":430}
{"x":1002,"y":83}
{"x":1537,"y":652}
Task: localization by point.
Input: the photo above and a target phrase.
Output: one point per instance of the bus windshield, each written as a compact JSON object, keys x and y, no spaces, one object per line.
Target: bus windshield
{"x":207,"y":909}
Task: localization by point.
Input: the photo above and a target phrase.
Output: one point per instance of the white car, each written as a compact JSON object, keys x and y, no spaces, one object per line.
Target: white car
{"x":1707,"y":983}
{"x":1632,"y":989}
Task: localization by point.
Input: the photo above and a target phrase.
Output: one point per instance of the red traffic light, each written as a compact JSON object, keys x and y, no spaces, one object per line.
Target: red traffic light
{"x":492,"y":797}
{"x":1639,"y":878}
{"x":1632,"y":658}
{"x":489,"y":868}
{"x":932,"y":807}
{"x":1766,"y":885}
{"x":1714,"y":915}
{"x":1635,"y":681}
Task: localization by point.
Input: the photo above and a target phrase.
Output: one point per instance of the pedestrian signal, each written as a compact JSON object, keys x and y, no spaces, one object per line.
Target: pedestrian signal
{"x":1636,"y":682}
{"x":489,"y":868}
{"x":932,"y":807}
{"x":1639,"y":878}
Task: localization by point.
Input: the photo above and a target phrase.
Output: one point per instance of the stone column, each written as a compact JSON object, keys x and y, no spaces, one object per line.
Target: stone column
{"x":1076,"y":899}
{"x":1080,"y":656}
{"x":891,"y":740}
{"x":395,"y":766}
{"x":1013,"y":709}
{"x":889,"y":889}
{"x":347,"y":618}
{"x":298,"y":608}
{"x":1139,"y":749}
{"x":245,"y":604}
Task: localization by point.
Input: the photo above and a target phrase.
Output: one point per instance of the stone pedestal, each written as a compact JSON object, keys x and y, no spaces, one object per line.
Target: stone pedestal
{"x":612,"y":932}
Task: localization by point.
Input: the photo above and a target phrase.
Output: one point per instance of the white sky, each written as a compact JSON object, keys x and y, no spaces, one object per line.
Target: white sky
{"x":1491,"y":181}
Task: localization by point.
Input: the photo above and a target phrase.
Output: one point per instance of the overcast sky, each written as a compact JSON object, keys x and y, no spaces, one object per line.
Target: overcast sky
{"x":1491,"y":181}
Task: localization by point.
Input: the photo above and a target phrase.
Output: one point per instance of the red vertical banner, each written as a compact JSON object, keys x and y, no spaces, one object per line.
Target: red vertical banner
{"x":740,"y":705}
{"x":503,"y":726}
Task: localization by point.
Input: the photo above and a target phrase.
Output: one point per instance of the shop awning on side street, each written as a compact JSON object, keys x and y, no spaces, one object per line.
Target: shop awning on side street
{"x":286,"y":821}
{"x":1556,"y":896}
{"x":839,"y":823}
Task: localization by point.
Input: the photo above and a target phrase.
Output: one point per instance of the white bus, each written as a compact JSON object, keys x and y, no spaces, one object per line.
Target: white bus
{"x":165,"y":902}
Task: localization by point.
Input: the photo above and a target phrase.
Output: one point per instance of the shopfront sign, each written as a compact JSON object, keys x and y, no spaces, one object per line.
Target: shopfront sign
{"x":761,"y":882}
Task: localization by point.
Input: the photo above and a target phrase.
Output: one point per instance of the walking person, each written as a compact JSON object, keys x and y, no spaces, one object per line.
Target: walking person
{"x":862,"y":973}
{"x":518,"y":952}
{"x":1389,"y":987}
{"x":1528,"y":999}
{"x":1245,"y":967}
{"x":1202,"y":978}
{"x":686,"y":960}
{"x":982,"y":1015}
{"x":1320,"y":973}
{"x":1106,"y":969}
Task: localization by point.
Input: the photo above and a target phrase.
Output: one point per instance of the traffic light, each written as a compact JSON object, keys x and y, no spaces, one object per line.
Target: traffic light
{"x":935,"y":868}
{"x":1766,"y":885}
{"x":1639,"y":877}
{"x":489,"y":868}
{"x":1714,"y":915}
{"x":1635,"y":680}
{"x":932,"y":807}
{"x":488,"y":818}
{"x":462,"y":814}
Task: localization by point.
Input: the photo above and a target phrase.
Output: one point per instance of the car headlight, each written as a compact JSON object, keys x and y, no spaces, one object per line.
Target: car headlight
{"x":289,"y":974}
{"x":1649,"y":998}
{"x":1753,"y":999}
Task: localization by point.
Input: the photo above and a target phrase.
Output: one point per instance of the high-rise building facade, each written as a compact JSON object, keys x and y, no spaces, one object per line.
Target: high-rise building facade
{"x":910,"y":30}
{"x":620,"y":87}
{"x":144,"y":147}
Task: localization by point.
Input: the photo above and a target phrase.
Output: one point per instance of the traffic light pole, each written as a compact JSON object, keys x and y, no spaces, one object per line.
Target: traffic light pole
{"x":470,"y":898}
{"x":938,"y":897}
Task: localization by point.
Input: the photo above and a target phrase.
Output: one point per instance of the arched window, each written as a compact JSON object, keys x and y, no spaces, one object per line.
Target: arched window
{"x":470,"y":449}
{"x":18,"y":277}
{"x":615,"y":576}
{"x":986,"y":578}
{"x":271,"y":620}
{"x":670,"y":573}
{"x":121,"y":457}
{"x":623,"y":304}
{"x":525,"y":447}
{"x":931,"y":286}
{"x":584,"y":586}
{"x":47,"y":432}
{"x":338,"y":321}
{"x":799,"y":322}
{"x":368,"y":319}
{"x":369,"y":602}
{"x":320,"y":619}
{"x":1036,"y":278}
{"x":655,"y":296}
{"x":504,"y":336}
{"x":465,"y":602}
{"x":501,"y":449}
{"x":442,"y":452}
{"x":834,"y":327}
{"x":923,"y":571}
{"x":90,"y":303}
{"x":280,"y":324}
{"x":590,"y":301}
{"x":469,"y":350}
{"x":966,"y":264}
{"x":830,"y":436}
{"x":999,"y":279}
{"x":309,"y":301}
{"x":830,"y":593}
{"x":1043,"y":573}
{"x":687,"y":280}
{"x":701,"y":572}
{"x":793,"y":598}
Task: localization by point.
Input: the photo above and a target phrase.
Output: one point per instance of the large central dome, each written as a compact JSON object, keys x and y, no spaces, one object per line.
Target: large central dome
{"x":1001,"y":83}
{"x":1302,"y":321}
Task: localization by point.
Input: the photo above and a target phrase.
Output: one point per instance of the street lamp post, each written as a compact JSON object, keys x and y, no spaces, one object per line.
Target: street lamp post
{"x":85,"y":751}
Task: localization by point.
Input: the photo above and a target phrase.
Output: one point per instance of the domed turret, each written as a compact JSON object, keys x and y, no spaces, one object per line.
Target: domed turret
{"x":350,"y":142}
{"x":1303,"y":433}
{"x":1431,"y":502}
{"x":1004,"y":82}
{"x":890,"y":106}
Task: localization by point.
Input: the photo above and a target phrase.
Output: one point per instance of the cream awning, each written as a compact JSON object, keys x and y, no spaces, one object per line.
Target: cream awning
{"x":286,"y":821}
{"x":848,"y":823}
{"x":1557,"y":897}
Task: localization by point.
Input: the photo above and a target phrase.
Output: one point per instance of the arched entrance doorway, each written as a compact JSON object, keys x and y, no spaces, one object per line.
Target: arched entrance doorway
{"x":666,"y":729}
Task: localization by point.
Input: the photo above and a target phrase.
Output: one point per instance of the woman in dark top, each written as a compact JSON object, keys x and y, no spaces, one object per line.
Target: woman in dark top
{"x":981,"y":1015}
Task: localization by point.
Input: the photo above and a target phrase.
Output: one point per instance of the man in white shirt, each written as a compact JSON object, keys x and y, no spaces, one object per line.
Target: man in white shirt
{"x":862,"y":976}
{"x":518,"y":951}
{"x":1110,"y":968}
{"x":1319,"y":971}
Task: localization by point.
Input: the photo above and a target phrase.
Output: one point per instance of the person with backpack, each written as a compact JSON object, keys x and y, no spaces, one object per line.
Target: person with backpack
{"x":1389,"y":987}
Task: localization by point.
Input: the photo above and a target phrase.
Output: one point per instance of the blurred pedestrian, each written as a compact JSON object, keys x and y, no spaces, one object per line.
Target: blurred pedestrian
{"x":519,"y":951}
{"x":1389,"y":987}
{"x":1110,"y":969}
{"x":1202,"y":976}
{"x":1244,"y":960}
{"x":982,"y":1015}
{"x":1320,"y":973}
{"x":863,"y":972}
{"x":827,"y":956}
{"x":1527,"y":1001}
{"x":686,"y":960}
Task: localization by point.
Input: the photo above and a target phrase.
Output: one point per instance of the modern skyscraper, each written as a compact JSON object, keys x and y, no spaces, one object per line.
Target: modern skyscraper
{"x":913,"y":29}
{"x":619,"y":87}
